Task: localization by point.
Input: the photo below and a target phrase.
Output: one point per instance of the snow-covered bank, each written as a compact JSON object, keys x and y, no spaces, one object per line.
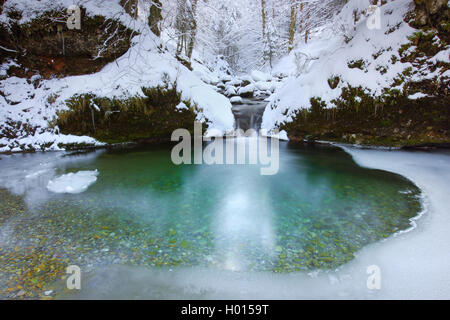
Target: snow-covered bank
{"x":148,"y":63}
{"x":414,"y":265}
{"x":345,"y":53}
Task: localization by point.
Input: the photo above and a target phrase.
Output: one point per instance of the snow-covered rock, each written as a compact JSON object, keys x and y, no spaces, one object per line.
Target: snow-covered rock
{"x":235,"y":82}
{"x":247,"y":91}
{"x":230,"y":91}
{"x":236,"y":100}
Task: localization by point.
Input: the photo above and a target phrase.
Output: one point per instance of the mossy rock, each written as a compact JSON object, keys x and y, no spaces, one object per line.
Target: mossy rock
{"x":153,"y":116}
{"x":52,"y":49}
{"x":389,"y":120}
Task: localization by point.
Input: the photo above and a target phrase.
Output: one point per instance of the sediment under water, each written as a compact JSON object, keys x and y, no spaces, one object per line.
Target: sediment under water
{"x":144,"y":211}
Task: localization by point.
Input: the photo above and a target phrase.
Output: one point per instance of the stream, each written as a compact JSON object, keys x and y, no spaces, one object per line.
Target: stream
{"x":145,"y":212}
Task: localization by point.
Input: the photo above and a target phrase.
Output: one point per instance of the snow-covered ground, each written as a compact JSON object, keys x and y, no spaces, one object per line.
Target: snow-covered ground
{"x":413,"y":265}
{"x":144,"y":65}
{"x":328,"y":55}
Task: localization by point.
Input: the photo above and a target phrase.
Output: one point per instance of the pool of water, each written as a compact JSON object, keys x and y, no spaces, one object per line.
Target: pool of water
{"x":316,"y":213}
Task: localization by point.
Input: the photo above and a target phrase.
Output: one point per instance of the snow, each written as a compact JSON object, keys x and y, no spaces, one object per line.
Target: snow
{"x":264,"y":86}
{"x":282,"y":135}
{"x":73,"y":182}
{"x":326,"y":55}
{"x":182,"y":106}
{"x":230,"y":91}
{"x":247,"y":89}
{"x":442,"y":56}
{"x":260,"y":76}
{"x":417,"y":95}
{"x":236,"y":100}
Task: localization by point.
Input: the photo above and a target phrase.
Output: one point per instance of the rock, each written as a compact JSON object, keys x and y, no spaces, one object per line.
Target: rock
{"x":245,"y":83}
{"x":230,"y":91}
{"x":236,"y":83}
{"x":221,"y":86}
{"x":425,"y":9}
{"x":41,"y":40}
{"x":247,"y":92}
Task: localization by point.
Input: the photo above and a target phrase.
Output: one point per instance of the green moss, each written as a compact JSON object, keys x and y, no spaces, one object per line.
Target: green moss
{"x":153,"y":116}
{"x":360,"y":117}
{"x":359,"y":64}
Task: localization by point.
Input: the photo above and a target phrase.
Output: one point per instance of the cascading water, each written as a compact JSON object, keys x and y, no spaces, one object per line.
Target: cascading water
{"x":249,"y":114}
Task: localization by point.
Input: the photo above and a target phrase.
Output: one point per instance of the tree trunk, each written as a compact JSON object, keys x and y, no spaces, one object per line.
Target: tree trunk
{"x":263,"y":15}
{"x":155,"y":17}
{"x":307,"y":25}
{"x":130,"y":7}
{"x":300,"y":24}
{"x":292,"y":26}
{"x":193,"y":31}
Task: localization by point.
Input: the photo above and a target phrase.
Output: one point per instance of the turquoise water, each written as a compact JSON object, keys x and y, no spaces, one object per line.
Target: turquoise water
{"x":314,"y":214}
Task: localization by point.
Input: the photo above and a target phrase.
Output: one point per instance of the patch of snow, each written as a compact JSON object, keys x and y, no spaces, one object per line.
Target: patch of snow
{"x":442,"y":56}
{"x":281,"y":135}
{"x":230,"y":91}
{"x":417,"y":95}
{"x":264,"y":86}
{"x":73,"y":182}
{"x":181,"y":106}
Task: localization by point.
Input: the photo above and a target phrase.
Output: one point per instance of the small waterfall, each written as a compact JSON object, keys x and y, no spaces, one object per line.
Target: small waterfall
{"x":249,"y":115}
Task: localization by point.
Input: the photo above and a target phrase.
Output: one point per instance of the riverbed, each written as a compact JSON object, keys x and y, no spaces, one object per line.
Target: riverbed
{"x":156,"y":230}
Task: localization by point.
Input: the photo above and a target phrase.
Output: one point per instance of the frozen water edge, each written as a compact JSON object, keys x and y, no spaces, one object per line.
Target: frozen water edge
{"x":414,"y":265}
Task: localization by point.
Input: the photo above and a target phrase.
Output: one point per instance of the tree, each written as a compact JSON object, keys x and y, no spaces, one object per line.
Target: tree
{"x":155,"y":16}
{"x":186,"y":26}
{"x":193,"y":29}
{"x":292,"y":25}
{"x":263,"y":16}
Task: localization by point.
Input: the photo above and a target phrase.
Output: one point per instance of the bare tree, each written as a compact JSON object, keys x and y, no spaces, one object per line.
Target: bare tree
{"x":292,"y":25}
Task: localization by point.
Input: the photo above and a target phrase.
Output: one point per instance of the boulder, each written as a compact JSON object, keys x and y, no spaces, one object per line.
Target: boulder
{"x":236,"y":100}
{"x":230,"y":91}
{"x":247,"y":92}
{"x":54,"y":50}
